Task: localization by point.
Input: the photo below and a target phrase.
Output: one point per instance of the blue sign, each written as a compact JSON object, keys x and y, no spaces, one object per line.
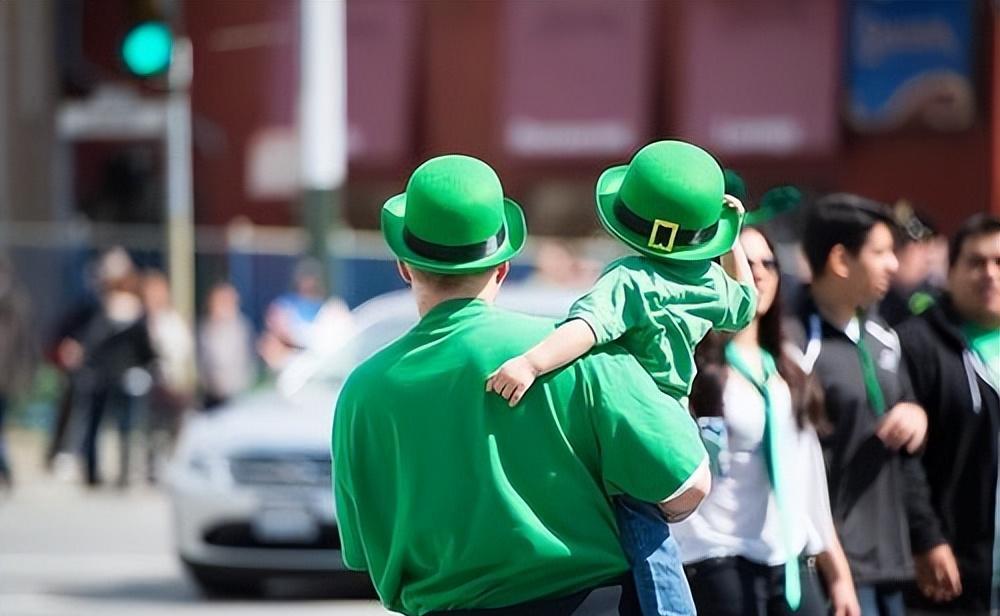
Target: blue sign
{"x":910,"y":61}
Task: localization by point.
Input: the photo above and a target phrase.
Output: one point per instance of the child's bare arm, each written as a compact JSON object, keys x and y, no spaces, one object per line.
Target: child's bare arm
{"x":735,"y":261}
{"x":570,"y":340}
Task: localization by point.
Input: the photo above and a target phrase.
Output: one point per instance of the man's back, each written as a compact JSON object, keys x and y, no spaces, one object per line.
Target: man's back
{"x":450,"y":499}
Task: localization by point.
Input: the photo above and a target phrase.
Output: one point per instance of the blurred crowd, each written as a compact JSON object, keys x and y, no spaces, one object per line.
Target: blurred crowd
{"x":889,"y":355}
{"x":131,"y":362}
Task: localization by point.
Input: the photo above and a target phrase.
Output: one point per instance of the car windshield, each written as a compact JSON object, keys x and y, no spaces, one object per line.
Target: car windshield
{"x":383,"y":321}
{"x":334,"y":367}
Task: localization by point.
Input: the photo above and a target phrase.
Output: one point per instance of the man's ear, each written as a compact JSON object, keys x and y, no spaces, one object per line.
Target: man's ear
{"x":502,"y":270}
{"x":404,"y":272}
{"x":837,"y":261}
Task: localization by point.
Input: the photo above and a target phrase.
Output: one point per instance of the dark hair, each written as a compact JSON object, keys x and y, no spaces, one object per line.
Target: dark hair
{"x":843,"y":219}
{"x":976,"y":225}
{"x":710,"y":358}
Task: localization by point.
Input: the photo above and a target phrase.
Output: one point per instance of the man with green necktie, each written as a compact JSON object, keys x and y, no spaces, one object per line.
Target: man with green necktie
{"x":878,"y":490}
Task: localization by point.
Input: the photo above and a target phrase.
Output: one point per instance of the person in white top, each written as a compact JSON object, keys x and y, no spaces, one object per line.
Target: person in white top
{"x":753,"y":546}
{"x":227,"y":360}
{"x":174,"y":377}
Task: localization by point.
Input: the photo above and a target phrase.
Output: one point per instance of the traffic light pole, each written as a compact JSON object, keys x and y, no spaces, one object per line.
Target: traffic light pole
{"x":323,"y":124}
{"x":180,"y":206}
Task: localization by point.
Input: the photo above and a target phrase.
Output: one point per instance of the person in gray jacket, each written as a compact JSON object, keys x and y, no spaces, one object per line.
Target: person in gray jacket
{"x":878,"y":491}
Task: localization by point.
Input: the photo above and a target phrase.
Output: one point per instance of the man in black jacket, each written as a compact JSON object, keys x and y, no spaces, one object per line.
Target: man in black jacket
{"x":878,"y":491}
{"x":953,"y":356}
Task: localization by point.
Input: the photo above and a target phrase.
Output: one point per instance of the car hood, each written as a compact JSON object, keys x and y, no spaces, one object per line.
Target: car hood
{"x":265,"y":420}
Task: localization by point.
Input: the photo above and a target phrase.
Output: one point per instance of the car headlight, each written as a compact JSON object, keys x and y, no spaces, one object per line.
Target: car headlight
{"x":209,"y":468}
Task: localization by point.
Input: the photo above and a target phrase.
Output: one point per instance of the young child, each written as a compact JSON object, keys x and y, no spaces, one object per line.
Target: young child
{"x":669,"y":204}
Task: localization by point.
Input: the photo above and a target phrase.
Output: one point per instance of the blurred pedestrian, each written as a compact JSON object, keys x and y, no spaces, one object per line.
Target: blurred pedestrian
{"x":225,"y":347}
{"x":174,"y":377}
{"x":913,"y":289}
{"x":878,"y":490}
{"x":476,"y":506}
{"x":17,"y":357}
{"x":767,"y":519}
{"x":115,"y":355}
{"x":290,"y":318}
{"x":952,"y":352}
{"x":559,"y":264}
{"x":66,"y":354}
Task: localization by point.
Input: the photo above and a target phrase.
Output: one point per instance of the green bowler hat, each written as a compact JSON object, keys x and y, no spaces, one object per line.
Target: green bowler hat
{"x":453,"y":218}
{"x":667,"y":203}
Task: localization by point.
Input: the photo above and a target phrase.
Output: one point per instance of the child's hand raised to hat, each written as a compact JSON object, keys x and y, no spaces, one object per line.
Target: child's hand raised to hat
{"x":733,"y":202}
{"x":512,"y":379}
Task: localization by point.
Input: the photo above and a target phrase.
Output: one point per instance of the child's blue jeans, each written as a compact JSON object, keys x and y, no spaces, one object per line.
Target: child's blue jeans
{"x":655,"y":559}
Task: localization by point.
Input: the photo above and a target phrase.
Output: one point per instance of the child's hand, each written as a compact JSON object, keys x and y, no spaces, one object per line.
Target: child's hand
{"x":733,"y":202}
{"x":512,"y":379}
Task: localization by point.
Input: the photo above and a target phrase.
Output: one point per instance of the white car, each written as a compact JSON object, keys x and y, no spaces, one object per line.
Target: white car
{"x":250,"y":483}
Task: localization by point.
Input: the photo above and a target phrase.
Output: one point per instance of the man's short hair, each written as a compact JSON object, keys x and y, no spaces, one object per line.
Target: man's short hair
{"x":447,"y":282}
{"x":844,"y":219}
{"x":974,"y":226}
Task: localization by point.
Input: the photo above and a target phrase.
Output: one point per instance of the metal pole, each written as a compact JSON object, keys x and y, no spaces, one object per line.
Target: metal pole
{"x":995,"y":129}
{"x":180,"y":207}
{"x":323,"y":123}
{"x":5,"y":101}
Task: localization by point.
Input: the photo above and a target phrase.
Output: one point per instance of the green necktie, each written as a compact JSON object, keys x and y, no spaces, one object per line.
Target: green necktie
{"x":872,"y":387}
{"x":793,"y":588}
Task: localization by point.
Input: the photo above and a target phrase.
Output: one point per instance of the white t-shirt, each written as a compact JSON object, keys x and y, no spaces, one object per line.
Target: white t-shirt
{"x":740,"y":516}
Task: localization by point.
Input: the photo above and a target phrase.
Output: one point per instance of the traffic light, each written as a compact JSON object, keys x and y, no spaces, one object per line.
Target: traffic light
{"x":146,"y":48}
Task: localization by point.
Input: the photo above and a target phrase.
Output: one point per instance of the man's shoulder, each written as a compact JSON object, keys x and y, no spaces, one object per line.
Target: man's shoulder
{"x":375,"y":367}
{"x":914,"y":326}
{"x":934,"y":327}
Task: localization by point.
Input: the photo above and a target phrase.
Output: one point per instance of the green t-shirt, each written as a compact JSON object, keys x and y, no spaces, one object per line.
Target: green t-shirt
{"x":660,"y":311}
{"x":450,"y":499}
{"x":986,"y":344}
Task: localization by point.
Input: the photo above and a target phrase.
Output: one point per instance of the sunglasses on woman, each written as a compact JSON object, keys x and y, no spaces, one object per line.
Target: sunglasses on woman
{"x":769,"y":264}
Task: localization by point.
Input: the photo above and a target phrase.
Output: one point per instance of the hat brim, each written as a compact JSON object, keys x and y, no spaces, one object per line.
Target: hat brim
{"x":722,"y":242}
{"x":393,"y":213}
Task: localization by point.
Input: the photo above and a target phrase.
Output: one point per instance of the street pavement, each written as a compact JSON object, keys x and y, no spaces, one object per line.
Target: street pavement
{"x":69,"y":551}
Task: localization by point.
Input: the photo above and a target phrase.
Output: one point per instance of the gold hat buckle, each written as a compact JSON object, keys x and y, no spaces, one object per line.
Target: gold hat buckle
{"x":662,"y":224}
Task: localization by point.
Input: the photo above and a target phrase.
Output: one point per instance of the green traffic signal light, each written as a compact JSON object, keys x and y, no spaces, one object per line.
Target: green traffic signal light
{"x":146,"y":48}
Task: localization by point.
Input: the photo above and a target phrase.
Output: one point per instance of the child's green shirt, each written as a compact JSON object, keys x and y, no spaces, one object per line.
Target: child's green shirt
{"x":659,"y":311}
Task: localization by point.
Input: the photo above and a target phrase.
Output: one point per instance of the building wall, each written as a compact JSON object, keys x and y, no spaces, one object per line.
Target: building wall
{"x":246,"y":76}
{"x":27,"y":103}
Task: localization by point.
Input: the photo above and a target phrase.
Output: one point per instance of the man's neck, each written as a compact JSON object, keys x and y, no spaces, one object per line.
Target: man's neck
{"x":833,"y":302}
{"x":428,"y":299}
{"x":982,"y":324}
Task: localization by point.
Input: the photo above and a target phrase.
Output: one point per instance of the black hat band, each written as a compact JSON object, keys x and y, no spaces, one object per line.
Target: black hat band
{"x":455,"y":254}
{"x":680,"y":237}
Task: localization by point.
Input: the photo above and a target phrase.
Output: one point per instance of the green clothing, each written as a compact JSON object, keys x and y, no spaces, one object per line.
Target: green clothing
{"x":986,"y":344}
{"x":659,"y":311}
{"x":450,"y":499}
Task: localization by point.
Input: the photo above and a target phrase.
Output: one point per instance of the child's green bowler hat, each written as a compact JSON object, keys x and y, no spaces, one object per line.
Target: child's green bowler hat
{"x":453,"y":218}
{"x":667,"y":203}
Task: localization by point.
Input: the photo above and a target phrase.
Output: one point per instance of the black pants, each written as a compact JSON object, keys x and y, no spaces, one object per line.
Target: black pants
{"x":5,"y":477}
{"x":121,"y":405}
{"x":617,"y":597}
{"x":735,"y":586}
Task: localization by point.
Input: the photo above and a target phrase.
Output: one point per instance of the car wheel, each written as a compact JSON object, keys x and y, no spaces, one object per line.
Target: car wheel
{"x":225,"y":581}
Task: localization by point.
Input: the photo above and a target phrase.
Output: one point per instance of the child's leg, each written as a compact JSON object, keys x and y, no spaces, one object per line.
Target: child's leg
{"x":655,"y":559}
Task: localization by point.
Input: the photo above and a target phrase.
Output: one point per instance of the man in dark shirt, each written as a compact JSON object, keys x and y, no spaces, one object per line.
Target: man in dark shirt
{"x":952,"y":354}
{"x":878,"y":491}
